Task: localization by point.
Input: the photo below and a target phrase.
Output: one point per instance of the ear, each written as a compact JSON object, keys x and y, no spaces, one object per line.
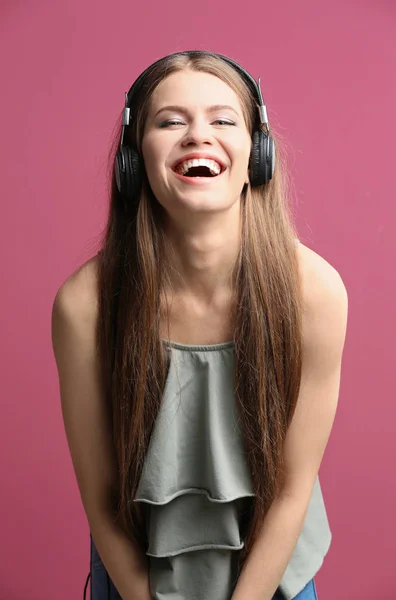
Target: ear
{"x":247,"y":178}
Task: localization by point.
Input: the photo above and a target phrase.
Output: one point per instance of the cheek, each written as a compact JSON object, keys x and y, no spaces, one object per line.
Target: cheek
{"x":152,"y":159}
{"x":154,"y":163}
{"x":243,"y":154}
{"x":243,"y":144}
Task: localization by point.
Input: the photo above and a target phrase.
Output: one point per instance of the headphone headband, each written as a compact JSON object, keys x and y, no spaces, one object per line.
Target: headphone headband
{"x":253,"y":84}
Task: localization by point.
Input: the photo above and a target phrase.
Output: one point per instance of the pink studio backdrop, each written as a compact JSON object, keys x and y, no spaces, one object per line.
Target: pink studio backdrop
{"x":327,"y":72}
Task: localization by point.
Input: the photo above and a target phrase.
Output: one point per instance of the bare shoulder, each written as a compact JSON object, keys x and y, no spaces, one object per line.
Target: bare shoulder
{"x":319,"y":276}
{"x":77,"y":297}
{"x":325,"y":299}
{"x":74,"y":316}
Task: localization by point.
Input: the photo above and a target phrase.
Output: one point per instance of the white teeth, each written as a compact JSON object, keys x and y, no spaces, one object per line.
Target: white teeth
{"x":212,"y":165}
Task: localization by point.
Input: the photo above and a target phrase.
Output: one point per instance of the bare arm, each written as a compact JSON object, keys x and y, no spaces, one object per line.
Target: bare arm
{"x":324,"y":335}
{"x":87,"y":429}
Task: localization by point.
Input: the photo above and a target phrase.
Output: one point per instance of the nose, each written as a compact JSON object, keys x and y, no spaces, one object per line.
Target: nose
{"x":197,"y":133}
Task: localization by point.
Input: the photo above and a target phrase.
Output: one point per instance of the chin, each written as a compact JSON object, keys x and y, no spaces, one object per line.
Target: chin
{"x":204,"y":203}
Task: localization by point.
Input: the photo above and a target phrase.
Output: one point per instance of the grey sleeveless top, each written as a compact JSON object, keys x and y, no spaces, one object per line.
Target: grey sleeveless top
{"x":197,"y":490}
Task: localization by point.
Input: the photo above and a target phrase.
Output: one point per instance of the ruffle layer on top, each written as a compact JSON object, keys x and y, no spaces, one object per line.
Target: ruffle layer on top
{"x":195,"y":477}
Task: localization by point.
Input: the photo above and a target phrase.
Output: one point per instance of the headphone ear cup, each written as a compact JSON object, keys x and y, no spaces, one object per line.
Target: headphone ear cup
{"x":262,"y":158}
{"x":119,"y":170}
{"x":128,"y":172}
{"x":255,"y":159}
{"x":135,"y":174}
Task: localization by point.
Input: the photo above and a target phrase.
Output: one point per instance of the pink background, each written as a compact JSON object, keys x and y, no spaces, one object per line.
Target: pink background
{"x":328,"y":76}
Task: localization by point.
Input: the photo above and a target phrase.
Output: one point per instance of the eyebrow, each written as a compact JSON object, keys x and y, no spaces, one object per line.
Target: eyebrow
{"x":182,"y":109}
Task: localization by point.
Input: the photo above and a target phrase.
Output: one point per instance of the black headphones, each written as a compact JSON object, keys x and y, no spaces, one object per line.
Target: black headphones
{"x":128,"y":167}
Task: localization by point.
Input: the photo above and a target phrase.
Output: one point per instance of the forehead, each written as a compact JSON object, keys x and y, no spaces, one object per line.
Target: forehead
{"x":193,"y":88}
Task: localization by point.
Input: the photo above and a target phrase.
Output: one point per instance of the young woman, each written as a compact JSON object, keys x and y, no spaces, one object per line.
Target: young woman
{"x":199,"y":354}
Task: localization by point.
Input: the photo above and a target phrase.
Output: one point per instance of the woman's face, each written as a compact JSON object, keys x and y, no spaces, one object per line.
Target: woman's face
{"x":195,"y":116}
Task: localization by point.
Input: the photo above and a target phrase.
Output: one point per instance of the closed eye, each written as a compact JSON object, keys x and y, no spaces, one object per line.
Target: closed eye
{"x":224,"y":122}
{"x":175,"y":122}
{"x":168,"y":123}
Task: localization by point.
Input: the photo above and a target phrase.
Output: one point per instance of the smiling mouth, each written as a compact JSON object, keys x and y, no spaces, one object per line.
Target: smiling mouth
{"x":197,"y":168}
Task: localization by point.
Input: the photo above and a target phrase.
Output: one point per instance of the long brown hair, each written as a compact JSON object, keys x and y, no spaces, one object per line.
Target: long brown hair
{"x":133,"y":269}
